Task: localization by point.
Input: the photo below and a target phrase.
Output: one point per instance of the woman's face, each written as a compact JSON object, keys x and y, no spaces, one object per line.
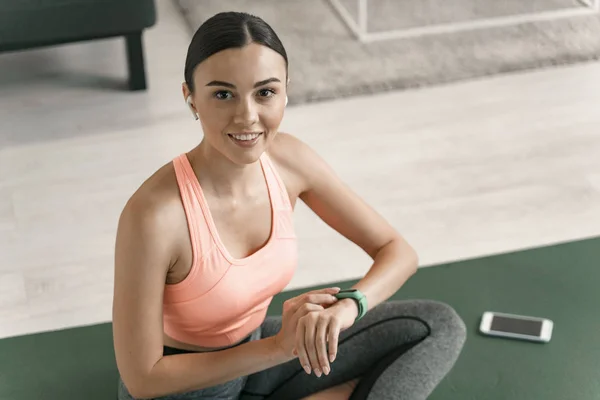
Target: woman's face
{"x":240,"y":99}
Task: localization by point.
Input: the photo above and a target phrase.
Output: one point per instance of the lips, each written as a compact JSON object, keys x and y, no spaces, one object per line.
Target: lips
{"x":246,"y":139}
{"x":245,"y":135}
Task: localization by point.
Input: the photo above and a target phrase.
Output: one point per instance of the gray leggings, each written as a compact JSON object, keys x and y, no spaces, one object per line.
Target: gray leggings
{"x":399,"y":350}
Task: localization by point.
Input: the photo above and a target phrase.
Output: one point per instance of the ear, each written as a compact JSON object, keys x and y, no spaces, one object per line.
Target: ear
{"x":185,"y":90}
{"x":187,"y":94}
{"x":191,"y":107}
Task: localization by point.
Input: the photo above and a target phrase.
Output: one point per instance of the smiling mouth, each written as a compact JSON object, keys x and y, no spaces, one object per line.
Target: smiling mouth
{"x":245,"y":137}
{"x":246,"y":140}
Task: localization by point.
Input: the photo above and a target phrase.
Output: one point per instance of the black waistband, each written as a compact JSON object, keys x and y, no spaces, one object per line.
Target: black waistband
{"x":169,"y":351}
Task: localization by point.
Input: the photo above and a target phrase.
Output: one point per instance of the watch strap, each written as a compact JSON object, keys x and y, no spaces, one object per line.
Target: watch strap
{"x":358,"y":297}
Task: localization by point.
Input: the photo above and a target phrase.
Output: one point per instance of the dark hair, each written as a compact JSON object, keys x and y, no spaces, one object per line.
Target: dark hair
{"x":227,"y":30}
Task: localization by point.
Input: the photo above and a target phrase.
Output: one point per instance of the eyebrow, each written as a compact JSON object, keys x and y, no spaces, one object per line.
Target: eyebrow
{"x":231,"y":85}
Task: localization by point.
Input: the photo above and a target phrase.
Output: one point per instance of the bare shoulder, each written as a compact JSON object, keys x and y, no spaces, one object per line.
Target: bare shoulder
{"x":153,"y":212}
{"x":156,"y":196}
{"x":297,"y":162}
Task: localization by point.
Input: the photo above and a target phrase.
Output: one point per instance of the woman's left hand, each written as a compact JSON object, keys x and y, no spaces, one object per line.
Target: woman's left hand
{"x":317,"y":329}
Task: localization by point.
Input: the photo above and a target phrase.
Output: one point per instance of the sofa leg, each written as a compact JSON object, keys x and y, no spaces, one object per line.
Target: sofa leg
{"x":135,"y":61}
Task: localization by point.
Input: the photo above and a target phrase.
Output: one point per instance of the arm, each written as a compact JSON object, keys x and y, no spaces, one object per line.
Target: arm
{"x":394,"y":260}
{"x":144,"y":253}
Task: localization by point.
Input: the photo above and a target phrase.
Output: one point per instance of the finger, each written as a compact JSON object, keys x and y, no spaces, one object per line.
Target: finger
{"x":333,"y":335}
{"x":329,"y":290}
{"x":295,"y":318}
{"x":288,"y":304}
{"x":293,"y":305}
{"x":310,"y":332}
{"x":301,"y":349}
{"x":304,"y":309}
{"x":321,"y":345}
{"x":295,"y":302}
{"x":322,"y":298}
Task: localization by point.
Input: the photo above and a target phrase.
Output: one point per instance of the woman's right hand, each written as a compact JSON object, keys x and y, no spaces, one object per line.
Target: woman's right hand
{"x":297,"y":307}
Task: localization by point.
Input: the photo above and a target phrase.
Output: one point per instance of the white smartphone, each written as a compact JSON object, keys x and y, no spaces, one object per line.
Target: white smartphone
{"x":516,"y":326}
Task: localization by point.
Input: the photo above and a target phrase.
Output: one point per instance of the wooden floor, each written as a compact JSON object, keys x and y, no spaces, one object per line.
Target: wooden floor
{"x":462,"y":170}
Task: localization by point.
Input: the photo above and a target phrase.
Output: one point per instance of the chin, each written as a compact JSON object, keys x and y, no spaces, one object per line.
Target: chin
{"x":246,"y":153}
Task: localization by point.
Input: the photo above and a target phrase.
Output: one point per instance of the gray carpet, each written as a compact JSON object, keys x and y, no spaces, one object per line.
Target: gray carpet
{"x":327,"y":62}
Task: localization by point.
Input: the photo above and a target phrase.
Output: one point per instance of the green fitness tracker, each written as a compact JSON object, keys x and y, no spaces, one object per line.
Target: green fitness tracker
{"x":356,"y":295}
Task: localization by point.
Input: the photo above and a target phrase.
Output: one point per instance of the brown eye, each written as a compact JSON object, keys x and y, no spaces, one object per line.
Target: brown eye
{"x":266,"y":92}
{"x":222,"y":95}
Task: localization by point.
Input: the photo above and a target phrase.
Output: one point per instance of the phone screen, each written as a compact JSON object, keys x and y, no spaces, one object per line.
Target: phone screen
{"x":516,"y":325}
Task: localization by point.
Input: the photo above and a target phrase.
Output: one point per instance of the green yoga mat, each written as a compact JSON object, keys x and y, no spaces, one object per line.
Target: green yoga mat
{"x":558,"y":282}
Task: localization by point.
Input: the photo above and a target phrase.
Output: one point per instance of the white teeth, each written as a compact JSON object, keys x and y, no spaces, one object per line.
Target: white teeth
{"x":246,"y":137}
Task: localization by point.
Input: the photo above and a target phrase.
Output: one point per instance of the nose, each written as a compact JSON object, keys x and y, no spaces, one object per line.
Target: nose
{"x":246,"y":112}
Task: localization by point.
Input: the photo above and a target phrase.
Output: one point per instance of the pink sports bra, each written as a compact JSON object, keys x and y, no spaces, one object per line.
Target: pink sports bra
{"x":223,"y":299}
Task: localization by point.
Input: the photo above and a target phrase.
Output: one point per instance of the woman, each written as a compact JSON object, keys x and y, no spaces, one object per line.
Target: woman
{"x":207,"y":241}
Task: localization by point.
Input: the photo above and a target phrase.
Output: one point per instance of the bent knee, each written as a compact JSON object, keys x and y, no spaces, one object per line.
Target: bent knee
{"x":441,"y":318}
{"x":445,"y":321}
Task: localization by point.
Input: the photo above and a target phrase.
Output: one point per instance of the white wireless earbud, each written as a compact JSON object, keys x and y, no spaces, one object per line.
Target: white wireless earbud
{"x":188,"y":100}
{"x":286,"y":100}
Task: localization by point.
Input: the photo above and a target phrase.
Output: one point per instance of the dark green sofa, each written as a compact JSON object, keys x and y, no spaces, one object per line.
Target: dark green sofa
{"x":26,"y":24}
